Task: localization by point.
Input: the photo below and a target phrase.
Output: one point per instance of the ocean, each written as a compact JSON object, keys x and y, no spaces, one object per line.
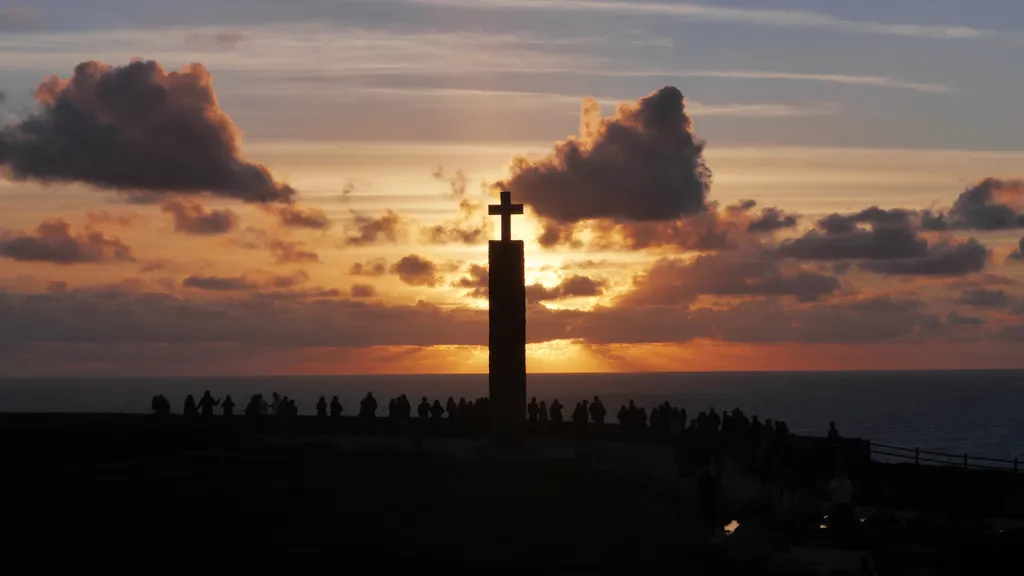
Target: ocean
{"x":980,"y":413}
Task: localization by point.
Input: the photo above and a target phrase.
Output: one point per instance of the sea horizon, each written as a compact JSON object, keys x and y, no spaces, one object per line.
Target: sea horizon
{"x":403,"y":374}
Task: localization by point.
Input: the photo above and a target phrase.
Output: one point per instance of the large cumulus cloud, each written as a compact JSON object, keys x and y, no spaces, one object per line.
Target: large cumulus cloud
{"x":643,"y":164}
{"x":136,"y":127}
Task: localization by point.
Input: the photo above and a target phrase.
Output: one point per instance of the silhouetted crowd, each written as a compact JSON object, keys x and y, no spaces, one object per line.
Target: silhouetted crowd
{"x":714,"y":429}
{"x":765,"y":448}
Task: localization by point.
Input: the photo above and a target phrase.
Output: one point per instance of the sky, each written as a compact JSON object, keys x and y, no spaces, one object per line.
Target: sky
{"x":216,"y":187}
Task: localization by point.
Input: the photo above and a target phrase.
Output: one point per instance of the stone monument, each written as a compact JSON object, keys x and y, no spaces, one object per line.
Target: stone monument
{"x":507,"y":337}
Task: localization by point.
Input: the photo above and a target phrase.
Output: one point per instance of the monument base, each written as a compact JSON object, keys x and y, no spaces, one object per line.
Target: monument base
{"x":507,"y":342}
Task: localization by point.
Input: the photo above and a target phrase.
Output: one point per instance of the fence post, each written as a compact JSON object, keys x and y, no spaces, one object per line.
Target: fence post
{"x":965,"y":461}
{"x":917,"y":456}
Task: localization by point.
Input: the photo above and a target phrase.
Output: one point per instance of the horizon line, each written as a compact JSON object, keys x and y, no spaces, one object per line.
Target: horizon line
{"x":653,"y":372}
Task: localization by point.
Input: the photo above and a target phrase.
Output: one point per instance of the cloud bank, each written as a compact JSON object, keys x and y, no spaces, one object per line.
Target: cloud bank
{"x":53,"y":242}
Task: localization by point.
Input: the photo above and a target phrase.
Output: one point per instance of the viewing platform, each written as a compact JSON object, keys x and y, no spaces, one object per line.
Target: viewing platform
{"x":884,"y":475}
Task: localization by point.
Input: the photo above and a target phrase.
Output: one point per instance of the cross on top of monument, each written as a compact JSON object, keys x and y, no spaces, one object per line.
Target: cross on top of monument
{"x":506,"y":209}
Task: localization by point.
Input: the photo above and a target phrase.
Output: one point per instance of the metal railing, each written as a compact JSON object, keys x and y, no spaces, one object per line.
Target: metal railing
{"x":931,"y":458}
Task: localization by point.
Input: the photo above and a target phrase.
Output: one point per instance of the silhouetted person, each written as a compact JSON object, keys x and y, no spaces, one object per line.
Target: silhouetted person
{"x":228,"y":406}
{"x":190,"y":410}
{"x":542,"y":411}
{"x":755,"y":431}
{"x":275,"y":404}
{"x":556,"y":411}
{"x":368,"y":406}
{"x":207,"y":404}
{"x":833,"y":434}
{"x":264,"y":408}
{"x":160,"y":405}
{"x":436,"y":410}
{"x":678,"y":421}
{"x":781,"y":431}
{"x":597,"y":411}
{"x":252,"y":409}
{"x":633,"y":416}
{"x":452,"y":409}
{"x":284,"y":413}
{"x":398,"y":408}
{"x":579,"y":414}
{"x":423,"y":410}
{"x":335,"y":408}
{"x":738,"y":424}
{"x":531,"y":410}
{"x":714,"y":420}
{"x":321,"y":409}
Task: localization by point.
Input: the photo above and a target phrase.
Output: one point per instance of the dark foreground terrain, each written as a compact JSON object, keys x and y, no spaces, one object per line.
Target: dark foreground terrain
{"x":157,"y":501}
{"x":134,"y":495}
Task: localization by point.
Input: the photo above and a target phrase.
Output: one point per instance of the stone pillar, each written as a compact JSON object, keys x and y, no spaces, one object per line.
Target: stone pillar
{"x":507,"y":344}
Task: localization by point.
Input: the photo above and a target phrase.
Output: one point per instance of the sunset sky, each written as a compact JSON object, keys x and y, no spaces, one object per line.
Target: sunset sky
{"x":301,"y":187}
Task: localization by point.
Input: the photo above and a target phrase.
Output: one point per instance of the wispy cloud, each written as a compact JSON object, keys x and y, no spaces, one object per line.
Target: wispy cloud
{"x":571,"y":102}
{"x":297,"y":48}
{"x":326,"y":52}
{"x":729,"y":14}
{"x":608,"y":71}
{"x":877,"y":81}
